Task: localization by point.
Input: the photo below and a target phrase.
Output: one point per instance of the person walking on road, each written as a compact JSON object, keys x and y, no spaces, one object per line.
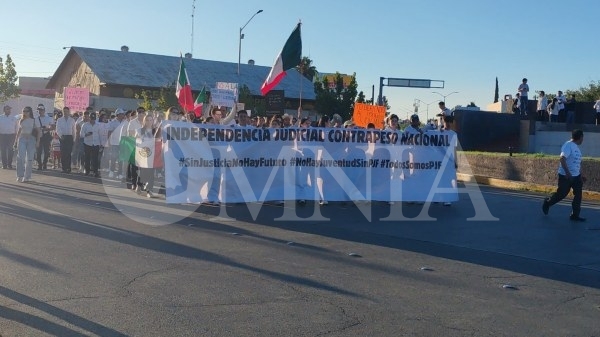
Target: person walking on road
{"x":28,"y":138}
{"x":8,"y":131}
{"x":569,"y":176}
{"x":46,"y":125}
{"x":65,"y":128}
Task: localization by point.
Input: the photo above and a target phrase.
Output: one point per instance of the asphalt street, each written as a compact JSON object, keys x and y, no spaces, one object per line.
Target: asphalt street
{"x":83,"y":256}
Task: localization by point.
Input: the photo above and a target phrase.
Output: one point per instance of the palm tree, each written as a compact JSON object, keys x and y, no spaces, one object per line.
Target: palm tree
{"x":306,"y":68}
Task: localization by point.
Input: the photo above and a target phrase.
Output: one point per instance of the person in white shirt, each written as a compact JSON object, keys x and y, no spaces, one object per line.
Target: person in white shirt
{"x":115,"y":128}
{"x":552,"y":109}
{"x":65,"y":128}
{"x":561,"y":100}
{"x":243,"y":120}
{"x":90,"y":133}
{"x":569,"y":176}
{"x":597,"y":107}
{"x":28,"y":137}
{"x":104,"y":146}
{"x":8,"y":131}
{"x":46,"y":125}
{"x":444,"y":112}
{"x":523,"y":100}
{"x":135,"y":123}
{"x":392,"y":123}
{"x":447,"y":129}
{"x":542,"y":105}
{"x":415,"y":126}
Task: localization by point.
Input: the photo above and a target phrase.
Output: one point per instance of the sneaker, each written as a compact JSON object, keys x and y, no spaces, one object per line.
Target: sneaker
{"x":111,"y":174}
{"x":19,"y":179}
{"x":447,"y":204}
{"x":138,"y":190}
{"x":545,"y":206}
{"x":576,"y":218}
{"x":323,"y":202}
{"x":149,"y":194}
{"x":26,"y":180}
{"x":391,"y":203}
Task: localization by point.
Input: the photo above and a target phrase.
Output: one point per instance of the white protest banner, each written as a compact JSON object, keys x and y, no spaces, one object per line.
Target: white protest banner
{"x":216,"y":163}
{"x":222,"y":97}
{"x":77,"y":99}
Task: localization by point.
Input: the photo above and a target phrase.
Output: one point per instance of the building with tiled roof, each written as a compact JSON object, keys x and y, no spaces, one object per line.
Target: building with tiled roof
{"x":114,"y":78}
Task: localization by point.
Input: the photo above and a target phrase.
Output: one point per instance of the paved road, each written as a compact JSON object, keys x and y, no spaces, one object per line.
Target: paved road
{"x":84,"y":257}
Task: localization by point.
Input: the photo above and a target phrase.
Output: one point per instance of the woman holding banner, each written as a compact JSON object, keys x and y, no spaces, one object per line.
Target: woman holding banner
{"x":148,"y":155}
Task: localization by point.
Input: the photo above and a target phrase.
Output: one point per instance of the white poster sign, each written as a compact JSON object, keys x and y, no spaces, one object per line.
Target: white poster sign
{"x":222,"y":97}
{"x":228,"y":86}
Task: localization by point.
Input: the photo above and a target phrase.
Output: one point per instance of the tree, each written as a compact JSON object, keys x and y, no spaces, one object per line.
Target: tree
{"x":336,"y":100}
{"x":8,"y":80}
{"x":496,"y":92}
{"x":166,"y":98}
{"x":306,"y":68}
{"x":385,"y":103}
{"x":586,"y":94}
{"x":146,"y":99}
{"x":361,"y":97}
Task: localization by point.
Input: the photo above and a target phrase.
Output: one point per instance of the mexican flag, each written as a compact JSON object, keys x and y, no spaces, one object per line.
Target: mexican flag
{"x":148,"y":152}
{"x":127,"y":150}
{"x":199,"y":103}
{"x":290,"y":57}
{"x":184,"y":89}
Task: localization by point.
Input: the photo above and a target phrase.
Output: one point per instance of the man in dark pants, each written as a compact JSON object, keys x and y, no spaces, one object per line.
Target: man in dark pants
{"x":90,"y":133}
{"x":65,"y":128}
{"x":569,"y":176}
{"x":46,"y":124}
{"x":8,"y":131}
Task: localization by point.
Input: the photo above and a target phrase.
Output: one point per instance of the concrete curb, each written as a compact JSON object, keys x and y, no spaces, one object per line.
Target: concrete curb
{"x":520,"y":185}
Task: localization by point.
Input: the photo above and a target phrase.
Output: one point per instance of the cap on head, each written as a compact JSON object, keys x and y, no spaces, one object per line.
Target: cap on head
{"x":41,"y":107}
{"x":120,"y":111}
{"x":414,"y":117}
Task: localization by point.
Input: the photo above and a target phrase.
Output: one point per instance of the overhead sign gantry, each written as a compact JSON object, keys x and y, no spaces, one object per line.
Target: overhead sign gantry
{"x":407,"y":83}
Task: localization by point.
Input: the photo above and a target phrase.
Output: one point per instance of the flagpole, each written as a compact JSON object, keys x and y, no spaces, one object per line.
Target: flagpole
{"x":301,"y":75}
{"x":300,"y":107}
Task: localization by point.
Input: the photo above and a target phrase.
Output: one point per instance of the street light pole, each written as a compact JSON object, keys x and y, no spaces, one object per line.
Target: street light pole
{"x":435,"y":92}
{"x":427,"y":104}
{"x":241,"y":37}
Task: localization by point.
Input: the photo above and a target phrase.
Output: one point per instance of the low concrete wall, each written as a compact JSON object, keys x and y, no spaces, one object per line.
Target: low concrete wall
{"x":527,"y":169}
{"x":549,"y":138}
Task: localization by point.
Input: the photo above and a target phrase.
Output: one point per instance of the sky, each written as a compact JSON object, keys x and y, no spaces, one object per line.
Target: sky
{"x":465,"y":43}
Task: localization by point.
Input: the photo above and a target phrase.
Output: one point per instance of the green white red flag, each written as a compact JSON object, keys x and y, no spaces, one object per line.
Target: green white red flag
{"x":148,"y":153}
{"x":199,"y":103}
{"x":289,"y":57}
{"x":184,"y":89}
